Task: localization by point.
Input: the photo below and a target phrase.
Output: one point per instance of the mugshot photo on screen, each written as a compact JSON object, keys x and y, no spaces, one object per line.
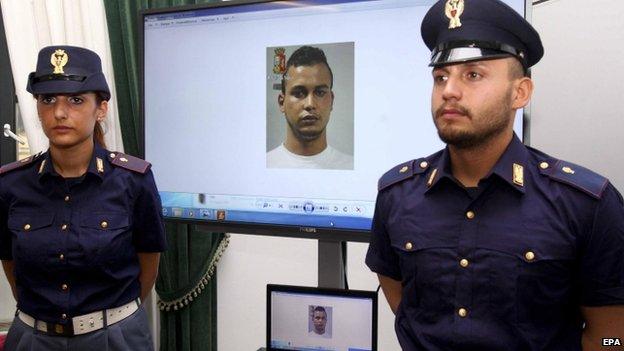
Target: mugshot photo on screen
{"x":310,"y":106}
{"x":320,"y":321}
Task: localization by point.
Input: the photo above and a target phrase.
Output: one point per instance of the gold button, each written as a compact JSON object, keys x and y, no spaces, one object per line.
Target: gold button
{"x":64,"y":316}
{"x":27,"y":227}
{"x":64,"y":287}
{"x":104,"y":224}
{"x":530,"y":256}
{"x":112,"y":155}
{"x":463,"y":262}
{"x":66,"y":198}
{"x":462,"y":312}
{"x":61,"y":257}
{"x":470,"y":215}
{"x":64,"y":227}
{"x":424,"y":164}
{"x":544,"y":165}
{"x":408,"y":246}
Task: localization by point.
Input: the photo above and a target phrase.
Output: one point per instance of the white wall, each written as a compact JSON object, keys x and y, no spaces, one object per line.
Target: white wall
{"x":7,"y":303}
{"x":249,"y":263}
{"x":577,"y":114}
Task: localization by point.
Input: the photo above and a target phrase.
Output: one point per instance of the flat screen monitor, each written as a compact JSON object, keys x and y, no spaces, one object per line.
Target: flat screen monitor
{"x":216,"y":119}
{"x":303,"y":318}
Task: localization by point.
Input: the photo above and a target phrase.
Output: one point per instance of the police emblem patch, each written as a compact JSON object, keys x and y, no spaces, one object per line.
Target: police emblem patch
{"x":454,"y":9}
{"x":59,"y":59}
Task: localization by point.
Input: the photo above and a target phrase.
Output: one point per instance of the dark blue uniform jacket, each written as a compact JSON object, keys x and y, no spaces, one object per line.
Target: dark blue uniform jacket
{"x":504,"y":269}
{"x":74,"y":242}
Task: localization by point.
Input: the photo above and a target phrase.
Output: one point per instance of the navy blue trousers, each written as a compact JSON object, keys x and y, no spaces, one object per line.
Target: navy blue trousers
{"x":131,"y":333}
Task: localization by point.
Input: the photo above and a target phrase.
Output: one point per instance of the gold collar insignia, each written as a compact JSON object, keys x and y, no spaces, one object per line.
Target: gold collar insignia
{"x":432,"y":177}
{"x":518,"y":174}
{"x":99,"y":164}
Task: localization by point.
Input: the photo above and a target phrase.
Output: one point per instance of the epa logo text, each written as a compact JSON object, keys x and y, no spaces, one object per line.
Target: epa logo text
{"x":611,"y":342}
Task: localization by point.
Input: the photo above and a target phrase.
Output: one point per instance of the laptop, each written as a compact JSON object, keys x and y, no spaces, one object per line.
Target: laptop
{"x":305,"y":319}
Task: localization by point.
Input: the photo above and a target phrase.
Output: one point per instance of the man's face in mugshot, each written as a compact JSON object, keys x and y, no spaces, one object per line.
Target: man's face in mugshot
{"x":307,"y":100}
{"x":320,"y":320}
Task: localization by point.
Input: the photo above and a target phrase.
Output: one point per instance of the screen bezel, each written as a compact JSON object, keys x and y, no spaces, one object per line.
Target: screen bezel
{"x":373,"y":295}
{"x":294,"y":231}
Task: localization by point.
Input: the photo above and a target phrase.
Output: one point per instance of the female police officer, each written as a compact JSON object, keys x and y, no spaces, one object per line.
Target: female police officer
{"x":80,"y":227}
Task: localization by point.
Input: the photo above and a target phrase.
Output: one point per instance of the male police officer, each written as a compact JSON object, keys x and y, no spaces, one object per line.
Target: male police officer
{"x":489,"y":244}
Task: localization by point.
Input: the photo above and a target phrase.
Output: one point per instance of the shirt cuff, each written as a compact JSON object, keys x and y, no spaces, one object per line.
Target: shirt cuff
{"x":605,"y":297}
{"x":380,"y":267}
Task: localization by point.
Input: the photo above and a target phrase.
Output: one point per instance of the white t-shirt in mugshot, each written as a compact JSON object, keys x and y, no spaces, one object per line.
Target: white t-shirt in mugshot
{"x":329,"y":158}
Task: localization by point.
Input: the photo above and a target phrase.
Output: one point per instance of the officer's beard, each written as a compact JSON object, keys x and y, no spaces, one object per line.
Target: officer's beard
{"x":492,"y":121}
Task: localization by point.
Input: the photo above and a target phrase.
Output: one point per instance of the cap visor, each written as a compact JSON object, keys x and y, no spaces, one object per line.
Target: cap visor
{"x":459,"y":55}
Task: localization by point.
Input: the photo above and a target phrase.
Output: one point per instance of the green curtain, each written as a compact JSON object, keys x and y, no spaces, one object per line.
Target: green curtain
{"x":187,"y":282}
{"x":188,"y":317}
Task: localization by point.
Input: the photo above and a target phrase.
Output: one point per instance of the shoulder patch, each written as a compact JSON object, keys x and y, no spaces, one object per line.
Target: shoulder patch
{"x":402,"y":172}
{"x":578,"y":177}
{"x":19,"y":164}
{"x":129,"y":162}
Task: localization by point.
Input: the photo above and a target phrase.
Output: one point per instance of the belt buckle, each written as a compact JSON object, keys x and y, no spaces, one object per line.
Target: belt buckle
{"x":60,"y":329}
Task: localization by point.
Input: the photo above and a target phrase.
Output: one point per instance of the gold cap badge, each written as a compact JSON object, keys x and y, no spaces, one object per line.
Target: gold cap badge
{"x":454,"y":9}
{"x":59,"y":59}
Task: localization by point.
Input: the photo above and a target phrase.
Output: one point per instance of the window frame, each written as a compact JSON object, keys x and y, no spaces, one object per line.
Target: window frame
{"x":8,"y":100}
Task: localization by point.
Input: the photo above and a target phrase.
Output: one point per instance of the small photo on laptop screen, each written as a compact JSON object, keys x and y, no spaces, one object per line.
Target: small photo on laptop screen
{"x":303,"y":318}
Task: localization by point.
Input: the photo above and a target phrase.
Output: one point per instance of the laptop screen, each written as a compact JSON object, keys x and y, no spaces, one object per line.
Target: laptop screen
{"x":303,"y":318}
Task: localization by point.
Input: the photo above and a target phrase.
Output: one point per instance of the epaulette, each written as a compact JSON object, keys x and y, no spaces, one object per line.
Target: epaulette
{"x":19,"y":164}
{"x":402,"y":172}
{"x":129,"y":162}
{"x":578,"y":177}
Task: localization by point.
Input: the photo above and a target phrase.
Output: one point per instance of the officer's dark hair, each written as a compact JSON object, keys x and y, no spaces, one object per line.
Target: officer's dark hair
{"x":306,"y":56}
{"x":320,"y":309}
{"x":516,"y":70}
{"x":98,"y":131}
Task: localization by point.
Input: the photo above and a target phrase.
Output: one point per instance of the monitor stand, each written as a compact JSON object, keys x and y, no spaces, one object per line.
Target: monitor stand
{"x":331,"y":267}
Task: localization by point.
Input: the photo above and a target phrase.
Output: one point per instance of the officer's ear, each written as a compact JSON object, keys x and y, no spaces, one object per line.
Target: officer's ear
{"x":101,"y":110}
{"x":280,"y":101}
{"x":522,"y":86}
{"x":522,"y":92}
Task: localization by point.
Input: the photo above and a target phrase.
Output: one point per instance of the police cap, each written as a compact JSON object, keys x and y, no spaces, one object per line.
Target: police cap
{"x":471,"y":30}
{"x":66,"y":70}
